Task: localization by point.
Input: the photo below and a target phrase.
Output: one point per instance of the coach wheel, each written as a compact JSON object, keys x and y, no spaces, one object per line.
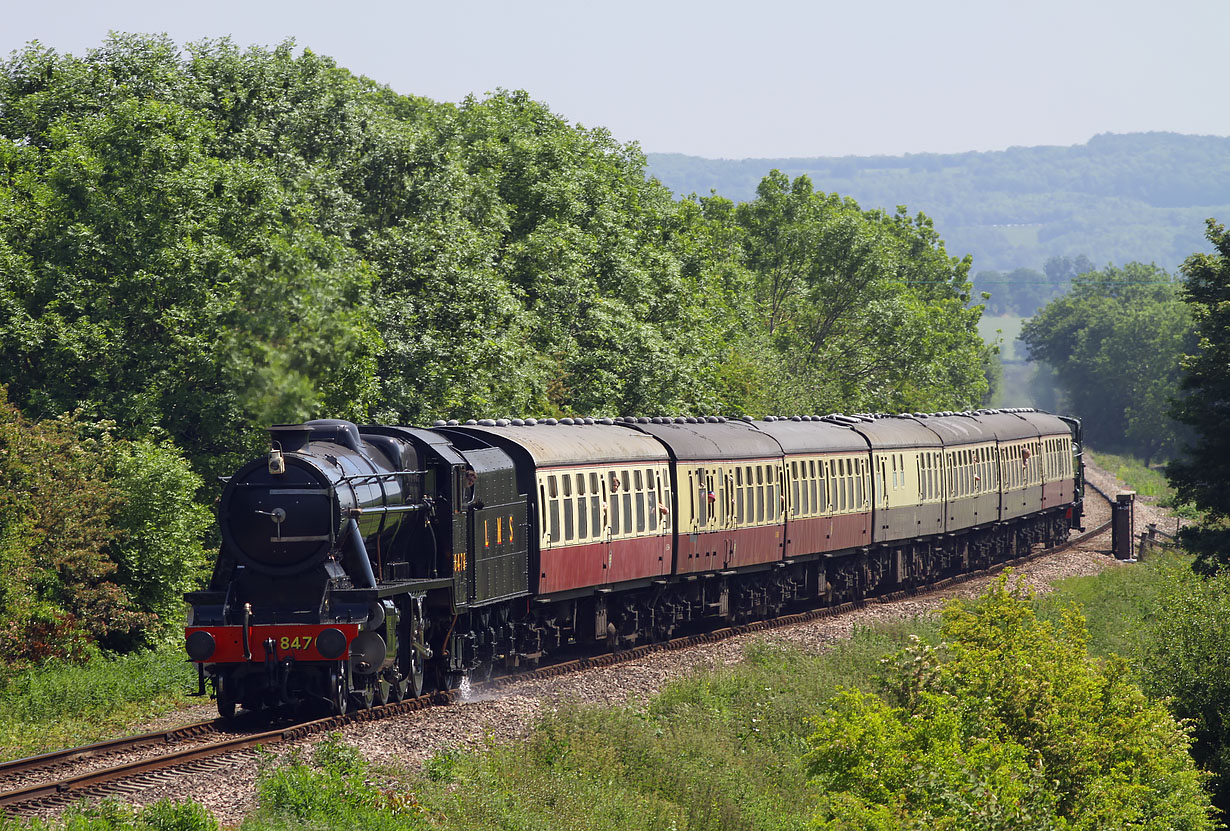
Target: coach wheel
{"x":225,"y":696}
{"x":339,"y":695}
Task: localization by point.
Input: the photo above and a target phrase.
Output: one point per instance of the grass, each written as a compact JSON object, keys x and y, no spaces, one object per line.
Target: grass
{"x":1115,"y":603}
{"x":1145,"y":480}
{"x":61,"y":705}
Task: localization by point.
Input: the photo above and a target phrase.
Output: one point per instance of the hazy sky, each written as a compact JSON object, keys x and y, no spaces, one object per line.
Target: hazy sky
{"x":754,"y":78}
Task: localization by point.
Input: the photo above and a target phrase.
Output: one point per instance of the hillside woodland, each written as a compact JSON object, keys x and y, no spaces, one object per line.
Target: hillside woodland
{"x":1020,"y":213}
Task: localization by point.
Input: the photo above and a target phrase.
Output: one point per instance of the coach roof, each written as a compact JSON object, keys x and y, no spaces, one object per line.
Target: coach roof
{"x":549,"y":445}
{"x":813,"y":436}
{"x":706,"y":440}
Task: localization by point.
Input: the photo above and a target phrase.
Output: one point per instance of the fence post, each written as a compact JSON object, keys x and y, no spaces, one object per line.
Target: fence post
{"x":1121,"y":526}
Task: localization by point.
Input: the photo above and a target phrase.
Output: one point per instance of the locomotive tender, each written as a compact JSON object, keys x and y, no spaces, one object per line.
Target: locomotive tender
{"x":361,"y":564}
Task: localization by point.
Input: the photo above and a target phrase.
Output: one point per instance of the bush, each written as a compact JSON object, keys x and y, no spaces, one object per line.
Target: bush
{"x":99,"y":539}
{"x":1185,"y":657}
{"x":1007,"y":723}
{"x":159,"y":532}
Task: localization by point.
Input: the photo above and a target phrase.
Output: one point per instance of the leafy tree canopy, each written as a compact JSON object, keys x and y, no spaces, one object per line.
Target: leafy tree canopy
{"x":209,"y":241}
{"x":1114,"y":341}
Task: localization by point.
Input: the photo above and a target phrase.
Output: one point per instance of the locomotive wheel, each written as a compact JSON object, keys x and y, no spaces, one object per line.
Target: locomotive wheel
{"x":226,"y":697}
{"x":414,"y":678}
{"x":339,"y":696}
{"x":364,"y":697}
{"x":382,"y":691}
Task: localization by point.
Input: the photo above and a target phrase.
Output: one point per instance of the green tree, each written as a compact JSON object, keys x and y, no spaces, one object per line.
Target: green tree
{"x":866,"y":310}
{"x":154,"y":279}
{"x":58,"y":592}
{"x":1202,"y":474}
{"x":1008,"y":723}
{"x":1114,"y":342}
{"x":159,"y":532}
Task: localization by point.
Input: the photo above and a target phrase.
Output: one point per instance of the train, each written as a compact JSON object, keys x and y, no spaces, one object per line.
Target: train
{"x":365,"y":564}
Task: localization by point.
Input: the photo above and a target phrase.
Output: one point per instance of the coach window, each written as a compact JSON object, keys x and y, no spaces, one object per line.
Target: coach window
{"x":553,"y":493}
{"x":796,"y":496}
{"x":625,"y":488}
{"x":542,"y":508}
{"x":738,"y":495}
{"x":638,"y":498}
{"x":760,"y":488}
{"x":651,"y":501}
{"x":616,"y":526}
{"x":582,"y":504}
{"x":569,"y":526}
{"x":695,"y":512}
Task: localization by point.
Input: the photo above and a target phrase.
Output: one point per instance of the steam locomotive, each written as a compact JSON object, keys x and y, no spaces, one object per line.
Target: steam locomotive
{"x":366,"y":564}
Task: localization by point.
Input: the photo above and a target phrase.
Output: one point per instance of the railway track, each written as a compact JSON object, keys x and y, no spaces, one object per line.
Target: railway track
{"x":213,"y":747}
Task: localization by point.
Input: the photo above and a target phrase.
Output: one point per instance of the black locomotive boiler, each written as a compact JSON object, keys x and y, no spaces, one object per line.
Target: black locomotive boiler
{"x":363,"y":564}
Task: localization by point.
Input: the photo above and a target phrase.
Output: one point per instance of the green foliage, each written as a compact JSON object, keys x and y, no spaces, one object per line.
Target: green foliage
{"x":1202,"y":474}
{"x":208,"y":242}
{"x":60,"y":704}
{"x":99,"y":538}
{"x":58,"y":590}
{"x":1185,"y":657}
{"x":112,"y":815}
{"x":159,"y":279}
{"x":1114,"y":342}
{"x":1147,"y":480}
{"x":866,"y":311}
{"x":332,"y":790}
{"x":160,"y":528}
{"x":1007,"y":724}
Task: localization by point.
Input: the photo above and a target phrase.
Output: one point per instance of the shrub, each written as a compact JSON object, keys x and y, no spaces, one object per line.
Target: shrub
{"x":1008,"y":723}
{"x":1185,"y":657}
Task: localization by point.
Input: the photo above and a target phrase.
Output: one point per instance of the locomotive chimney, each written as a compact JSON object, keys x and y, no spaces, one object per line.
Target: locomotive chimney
{"x":290,"y":438}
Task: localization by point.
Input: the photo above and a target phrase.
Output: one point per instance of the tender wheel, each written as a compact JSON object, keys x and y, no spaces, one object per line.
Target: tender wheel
{"x":339,"y":694}
{"x":447,"y":680}
{"x":226,"y":696}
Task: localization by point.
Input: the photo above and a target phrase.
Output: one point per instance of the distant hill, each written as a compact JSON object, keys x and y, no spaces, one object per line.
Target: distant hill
{"x":1116,"y":199}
